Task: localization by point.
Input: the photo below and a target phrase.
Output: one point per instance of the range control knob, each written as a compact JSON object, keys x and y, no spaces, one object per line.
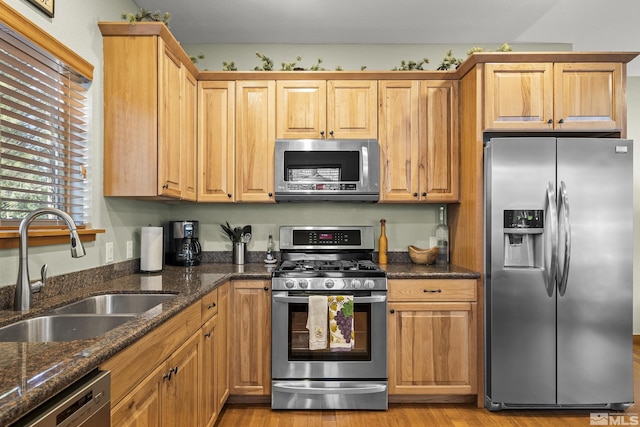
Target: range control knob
{"x":369,"y":284}
{"x":289,"y":283}
{"x":328,"y":283}
{"x":304,"y":283}
{"x":355,"y":284}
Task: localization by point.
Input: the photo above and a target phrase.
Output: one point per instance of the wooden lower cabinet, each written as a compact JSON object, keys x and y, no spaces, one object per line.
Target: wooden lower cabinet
{"x":209,"y":408}
{"x":179,"y":396}
{"x":177,"y":374}
{"x":432,"y":337}
{"x":214,"y":367}
{"x":250,"y":336}
{"x":166,"y":397}
{"x":141,"y":407}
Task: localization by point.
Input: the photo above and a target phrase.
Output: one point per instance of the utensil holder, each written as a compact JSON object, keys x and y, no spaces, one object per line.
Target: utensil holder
{"x":239,"y":252}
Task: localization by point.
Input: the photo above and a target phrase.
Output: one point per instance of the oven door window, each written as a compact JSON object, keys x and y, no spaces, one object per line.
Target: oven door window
{"x":299,"y":336}
{"x":322,"y":166}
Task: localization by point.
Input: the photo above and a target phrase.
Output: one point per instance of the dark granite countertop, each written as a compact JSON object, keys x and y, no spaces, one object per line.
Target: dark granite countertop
{"x":31,"y":373}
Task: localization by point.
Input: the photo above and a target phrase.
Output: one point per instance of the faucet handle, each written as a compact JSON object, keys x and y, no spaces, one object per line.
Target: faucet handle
{"x":37,"y":286}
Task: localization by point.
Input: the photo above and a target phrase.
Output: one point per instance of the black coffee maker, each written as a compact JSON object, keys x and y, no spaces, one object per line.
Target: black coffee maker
{"x":183,"y":244}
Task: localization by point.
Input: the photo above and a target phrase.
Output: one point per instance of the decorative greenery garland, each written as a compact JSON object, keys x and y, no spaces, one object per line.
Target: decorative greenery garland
{"x":447,"y":63}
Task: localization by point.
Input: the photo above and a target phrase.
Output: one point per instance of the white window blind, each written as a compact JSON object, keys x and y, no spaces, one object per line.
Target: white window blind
{"x":43,"y":133}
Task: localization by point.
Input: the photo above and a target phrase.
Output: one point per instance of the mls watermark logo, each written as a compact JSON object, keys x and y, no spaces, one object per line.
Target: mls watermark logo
{"x":606,"y":419}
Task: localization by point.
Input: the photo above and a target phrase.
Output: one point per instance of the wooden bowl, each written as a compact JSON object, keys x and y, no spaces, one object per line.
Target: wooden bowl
{"x":423,"y":256}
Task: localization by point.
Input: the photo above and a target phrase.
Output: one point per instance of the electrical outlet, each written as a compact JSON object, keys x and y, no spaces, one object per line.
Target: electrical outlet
{"x":129,"y":249}
{"x":108,"y":252}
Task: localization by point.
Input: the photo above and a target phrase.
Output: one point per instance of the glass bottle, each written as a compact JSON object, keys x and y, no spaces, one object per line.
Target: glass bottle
{"x":270,"y":248}
{"x":442,"y":236}
{"x":382,"y":243}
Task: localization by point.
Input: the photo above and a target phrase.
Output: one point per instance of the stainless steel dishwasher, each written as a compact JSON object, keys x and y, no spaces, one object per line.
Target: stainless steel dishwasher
{"x":86,"y":403}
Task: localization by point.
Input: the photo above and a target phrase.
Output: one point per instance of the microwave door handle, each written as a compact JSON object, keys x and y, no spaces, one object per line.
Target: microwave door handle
{"x":374,"y":299}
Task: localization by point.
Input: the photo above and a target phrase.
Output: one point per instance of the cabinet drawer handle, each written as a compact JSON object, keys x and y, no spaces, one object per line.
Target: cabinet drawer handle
{"x":432,"y":291}
{"x":210,"y":306}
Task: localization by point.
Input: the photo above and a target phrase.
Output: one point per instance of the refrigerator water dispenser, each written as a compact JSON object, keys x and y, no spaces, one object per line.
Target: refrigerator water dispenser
{"x":523,"y":231}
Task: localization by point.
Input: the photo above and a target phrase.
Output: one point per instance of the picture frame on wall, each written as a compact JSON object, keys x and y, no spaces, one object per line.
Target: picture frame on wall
{"x":45,"y":6}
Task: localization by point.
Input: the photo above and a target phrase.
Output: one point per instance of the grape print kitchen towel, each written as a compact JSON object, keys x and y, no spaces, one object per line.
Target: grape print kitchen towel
{"x":341,"y":327}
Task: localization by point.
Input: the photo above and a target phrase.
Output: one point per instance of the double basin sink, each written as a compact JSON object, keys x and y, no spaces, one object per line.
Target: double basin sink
{"x":84,"y":319}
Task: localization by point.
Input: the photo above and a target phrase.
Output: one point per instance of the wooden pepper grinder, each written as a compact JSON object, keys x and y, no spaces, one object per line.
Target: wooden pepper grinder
{"x":382,"y":243}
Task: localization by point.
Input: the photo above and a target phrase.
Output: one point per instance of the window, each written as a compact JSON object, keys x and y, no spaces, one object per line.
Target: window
{"x":43,"y":133}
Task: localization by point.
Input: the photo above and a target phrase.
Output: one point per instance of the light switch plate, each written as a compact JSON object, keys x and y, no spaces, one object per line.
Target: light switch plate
{"x":129,"y":249}
{"x":108,"y":252}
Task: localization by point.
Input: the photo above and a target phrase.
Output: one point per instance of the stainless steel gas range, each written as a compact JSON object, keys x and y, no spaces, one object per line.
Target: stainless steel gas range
{"x":329,"y":321}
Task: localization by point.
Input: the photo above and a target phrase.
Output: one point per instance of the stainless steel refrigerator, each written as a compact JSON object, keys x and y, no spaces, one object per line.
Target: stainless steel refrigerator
{"x":558,"y":263}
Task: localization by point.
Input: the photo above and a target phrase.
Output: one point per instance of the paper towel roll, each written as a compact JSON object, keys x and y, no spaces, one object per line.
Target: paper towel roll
{"x":151,"y":253}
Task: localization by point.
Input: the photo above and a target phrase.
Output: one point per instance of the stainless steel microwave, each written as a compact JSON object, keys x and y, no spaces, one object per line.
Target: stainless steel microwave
{"x":327,"y":170}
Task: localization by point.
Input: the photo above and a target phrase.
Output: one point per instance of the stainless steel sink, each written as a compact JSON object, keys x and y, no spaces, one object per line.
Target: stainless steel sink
{"x":61,"y":327}
{"x":115,"y":304}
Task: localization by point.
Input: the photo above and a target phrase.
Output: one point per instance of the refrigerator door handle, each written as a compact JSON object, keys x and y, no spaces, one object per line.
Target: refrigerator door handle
{"x":563,"y":215}
{"x":551,"y":233}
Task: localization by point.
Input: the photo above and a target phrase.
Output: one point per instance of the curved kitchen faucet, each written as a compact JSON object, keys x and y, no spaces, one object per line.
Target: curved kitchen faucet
{"x":24,"y":287}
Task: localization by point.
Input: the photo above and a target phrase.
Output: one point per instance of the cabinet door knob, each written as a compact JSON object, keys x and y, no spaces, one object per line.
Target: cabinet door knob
{"x":229,"y":195}
{"x":550,"y":121}
{"x":331,"y":133}
{"x":266,"y":288}
{"x":415,"y":194}
{"x":561,"y":121}
{"x":322,"y":133}
{"x":270,"y":194}
{"x":392,"y":311}
{"x":424,"y":193}
{"x":165,"y":186}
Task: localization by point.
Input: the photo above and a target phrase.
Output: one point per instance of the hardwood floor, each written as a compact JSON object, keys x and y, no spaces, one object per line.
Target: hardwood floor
{"x":419,"y":415}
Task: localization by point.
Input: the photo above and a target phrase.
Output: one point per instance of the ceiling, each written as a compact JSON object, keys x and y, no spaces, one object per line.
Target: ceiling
{"x":602,"y":25}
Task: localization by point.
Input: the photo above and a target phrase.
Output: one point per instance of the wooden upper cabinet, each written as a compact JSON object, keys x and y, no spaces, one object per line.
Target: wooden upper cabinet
{"x":255,"y":140}
{"x":169,"y":147}
{"x":419,"y":141}
{"x":188,"y":138}
{"x":327,"y":109}
{"x":440,"y":141}
{"x":302,"y":108}
{"x":216,"y":141}
{"x":149,"y":119}
{"x":399,"y":140}
{"x":352,"y":109}
{"x":548,"y":96}
{"x":589,"y":96}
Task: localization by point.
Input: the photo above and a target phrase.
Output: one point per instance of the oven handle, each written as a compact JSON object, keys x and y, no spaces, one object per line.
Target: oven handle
{"x":374,"y":299}
{"x":295,"y":388}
